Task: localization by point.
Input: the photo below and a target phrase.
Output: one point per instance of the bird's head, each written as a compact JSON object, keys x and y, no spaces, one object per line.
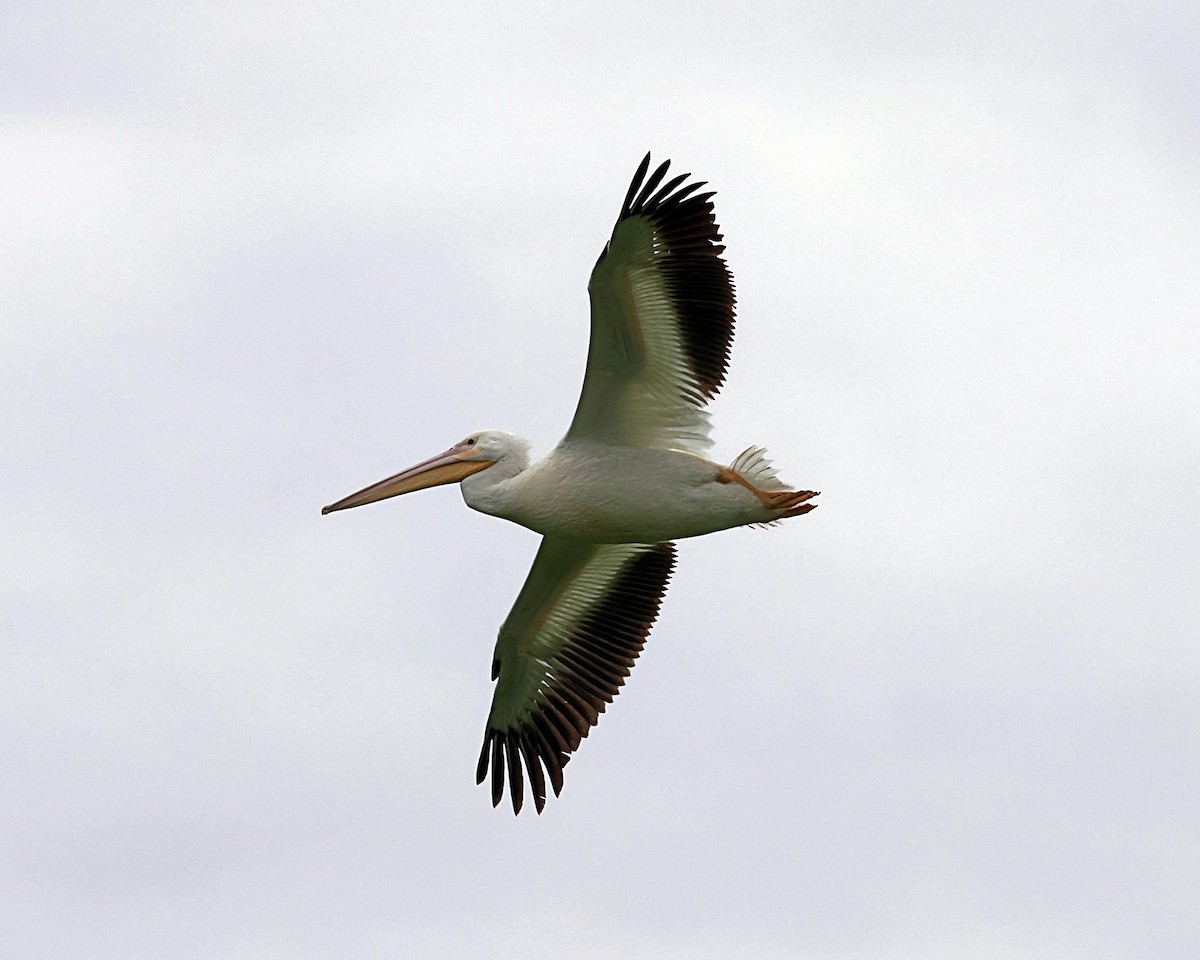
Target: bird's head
{"x":472,"y":453}
{"x":494,"y":446}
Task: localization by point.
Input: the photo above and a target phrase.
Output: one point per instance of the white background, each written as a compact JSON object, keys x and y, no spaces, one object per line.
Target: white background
{"x":254,"y":257}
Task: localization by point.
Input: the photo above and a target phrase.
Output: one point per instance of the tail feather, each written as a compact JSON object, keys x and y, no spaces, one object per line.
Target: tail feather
{"x":755,"y":471}
{"x":752,"y":465}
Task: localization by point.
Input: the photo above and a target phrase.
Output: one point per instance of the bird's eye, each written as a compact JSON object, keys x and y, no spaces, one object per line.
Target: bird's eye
{"x":470,"y":441}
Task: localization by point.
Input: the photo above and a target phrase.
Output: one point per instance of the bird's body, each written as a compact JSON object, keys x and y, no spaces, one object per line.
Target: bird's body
{"x":604,"y":494}
{"x":630,"y":476}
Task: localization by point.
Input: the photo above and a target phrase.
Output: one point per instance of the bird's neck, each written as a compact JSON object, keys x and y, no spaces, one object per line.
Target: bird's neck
{"x":490,"y":490}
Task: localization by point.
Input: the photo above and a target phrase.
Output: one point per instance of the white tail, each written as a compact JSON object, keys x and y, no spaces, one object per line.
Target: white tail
{"x":752,"y":465}
{"x":752,"y":469}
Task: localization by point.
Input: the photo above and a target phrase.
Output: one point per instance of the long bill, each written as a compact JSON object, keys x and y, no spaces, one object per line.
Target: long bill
{"x":444,"y":468}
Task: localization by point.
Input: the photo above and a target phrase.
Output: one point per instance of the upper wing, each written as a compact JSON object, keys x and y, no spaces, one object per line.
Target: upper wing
{"x":662,"y":320}
{"x":564,"y":651}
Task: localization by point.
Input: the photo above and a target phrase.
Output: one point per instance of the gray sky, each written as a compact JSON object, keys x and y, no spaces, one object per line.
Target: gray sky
{"x":255,"y":257}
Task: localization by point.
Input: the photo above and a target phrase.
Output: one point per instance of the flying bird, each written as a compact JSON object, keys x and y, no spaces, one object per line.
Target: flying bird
{"x":629,"y":478}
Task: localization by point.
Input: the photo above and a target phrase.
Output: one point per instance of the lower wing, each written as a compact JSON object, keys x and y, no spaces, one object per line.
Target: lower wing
{"x":564,"y":652}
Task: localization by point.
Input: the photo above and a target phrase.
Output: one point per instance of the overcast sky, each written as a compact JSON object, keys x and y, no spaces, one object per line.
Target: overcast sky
{"x":254,"y":257}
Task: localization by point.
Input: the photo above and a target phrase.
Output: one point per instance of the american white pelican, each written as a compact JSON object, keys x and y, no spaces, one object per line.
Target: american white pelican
{"x":629,"y":477}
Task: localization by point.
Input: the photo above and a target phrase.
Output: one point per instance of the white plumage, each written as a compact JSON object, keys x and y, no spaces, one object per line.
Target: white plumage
{"x":629,"y":477}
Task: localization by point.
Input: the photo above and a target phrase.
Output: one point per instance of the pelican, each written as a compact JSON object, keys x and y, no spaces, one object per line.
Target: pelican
{"x":629,"y":478}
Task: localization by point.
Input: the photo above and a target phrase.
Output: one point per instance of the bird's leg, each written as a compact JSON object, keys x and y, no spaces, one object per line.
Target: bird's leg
{"x":775,"y":499}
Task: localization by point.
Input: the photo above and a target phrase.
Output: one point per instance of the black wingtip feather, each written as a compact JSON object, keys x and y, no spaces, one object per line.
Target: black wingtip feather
{"x":497,"y":770}
{"x":655,"y":179}
{"x":537,"y":782}
{"x":635,"y":183}
{"x":516,"y":783}
{"x":665,"y":190}
{"x":481,"y":768}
